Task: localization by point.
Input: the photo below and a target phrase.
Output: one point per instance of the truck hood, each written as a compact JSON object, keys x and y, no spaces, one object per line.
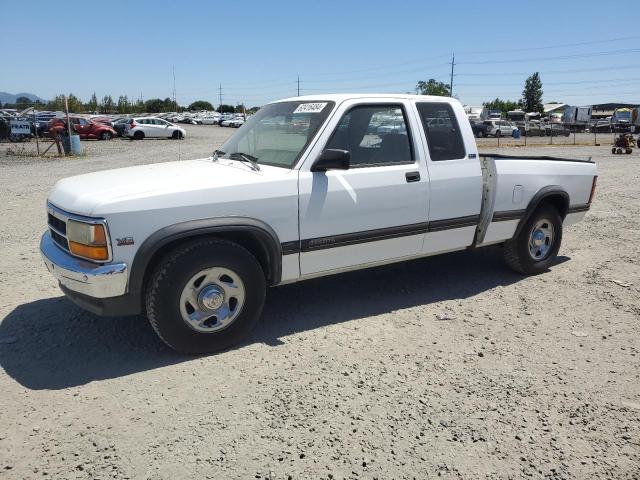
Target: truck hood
{"x":112,"y":191}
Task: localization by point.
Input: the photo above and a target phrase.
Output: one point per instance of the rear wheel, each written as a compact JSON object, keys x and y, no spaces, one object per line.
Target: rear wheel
{"x":205,"y":296}
{"x":537,"y":244}
{"x":138,"y":135}
{"x":480,"y":134}
{"x":498,"y":133}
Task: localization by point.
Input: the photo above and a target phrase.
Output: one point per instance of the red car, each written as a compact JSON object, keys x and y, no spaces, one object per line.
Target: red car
{"x":85,"y":128}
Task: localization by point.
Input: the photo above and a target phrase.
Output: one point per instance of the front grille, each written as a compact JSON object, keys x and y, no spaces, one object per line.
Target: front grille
{"x":57,"y":224}
{"x":59,"y":239}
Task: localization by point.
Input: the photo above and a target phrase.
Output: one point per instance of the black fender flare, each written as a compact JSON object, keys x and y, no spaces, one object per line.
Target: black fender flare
{"x":200,"y":228}
{"x":540,"y":195}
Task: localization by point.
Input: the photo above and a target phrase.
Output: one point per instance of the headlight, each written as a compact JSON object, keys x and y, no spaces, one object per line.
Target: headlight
{"x":87,"y":240}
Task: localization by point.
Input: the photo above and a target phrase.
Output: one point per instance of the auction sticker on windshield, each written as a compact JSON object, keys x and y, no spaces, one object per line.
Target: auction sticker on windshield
{"x":310,"y":107}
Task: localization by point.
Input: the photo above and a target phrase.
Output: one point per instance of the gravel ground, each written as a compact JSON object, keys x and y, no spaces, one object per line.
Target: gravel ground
{"x":452,"y":366}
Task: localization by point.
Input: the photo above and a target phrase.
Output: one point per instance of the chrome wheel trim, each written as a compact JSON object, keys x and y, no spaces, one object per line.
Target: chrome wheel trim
{"x":212,"y":299}
{"x":541,"y":239}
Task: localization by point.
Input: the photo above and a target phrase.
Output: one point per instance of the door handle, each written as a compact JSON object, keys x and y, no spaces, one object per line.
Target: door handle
{"x":412,"y":177}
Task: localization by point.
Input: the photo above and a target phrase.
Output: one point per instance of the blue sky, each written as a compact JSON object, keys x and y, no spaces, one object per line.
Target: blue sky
{"x":256,"y":49}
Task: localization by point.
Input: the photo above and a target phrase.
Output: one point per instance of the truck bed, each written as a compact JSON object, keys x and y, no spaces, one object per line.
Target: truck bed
{"x":510,"y":183}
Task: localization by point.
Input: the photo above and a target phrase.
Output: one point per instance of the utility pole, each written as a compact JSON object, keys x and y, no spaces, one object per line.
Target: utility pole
{"x":453,"y":62}
{"x":175,"y":104}
{"x":298,"y":85}
{"x":220,"y":97}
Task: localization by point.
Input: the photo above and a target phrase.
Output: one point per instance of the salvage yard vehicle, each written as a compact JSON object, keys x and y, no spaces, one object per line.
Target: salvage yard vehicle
{"x":84,"y":127}
{"x":479,"y":129}
{"x":533,"y":128}
{"x":140,"y":128}
{"x":499,"y":128}
{"x":195,"y":244}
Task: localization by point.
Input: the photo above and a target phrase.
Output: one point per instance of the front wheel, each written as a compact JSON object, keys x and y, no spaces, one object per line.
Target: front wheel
{"x":176,"y":135}
{"x":537,"y":244}
{"x":498,"y":133}
{"x":105,"y":136}
{"x":205,"y":296}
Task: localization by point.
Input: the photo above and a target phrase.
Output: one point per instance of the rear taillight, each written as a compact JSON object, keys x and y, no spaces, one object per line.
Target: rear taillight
{"x":593,"y":188}
{"x":133,"y":124}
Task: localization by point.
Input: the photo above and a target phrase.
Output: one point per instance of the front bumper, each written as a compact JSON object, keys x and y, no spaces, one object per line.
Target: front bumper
{"x":81,"y":276}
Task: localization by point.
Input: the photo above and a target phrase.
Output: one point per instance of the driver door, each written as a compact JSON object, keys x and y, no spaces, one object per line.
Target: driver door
{"x":375,"y":211}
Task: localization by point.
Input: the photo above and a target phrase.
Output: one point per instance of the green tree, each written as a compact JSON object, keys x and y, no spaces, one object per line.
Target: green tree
{"x":107,"y":105}
{"x":75,"y":104}
{"x":503,"y":105}
{"x":253,"y":110}
{"x":57,"y":104}
{"x":154,"y":105}
{"x":138,"y":107}
{"x":200,"y":105}
{"x":23,"y":102}
{"x":239,"y":108}
{"x":92,"y":105}
{"x":226,"y":109}
{"x":432,"y":87}
{"x":123,"y":104}
{"x":532,"y":94}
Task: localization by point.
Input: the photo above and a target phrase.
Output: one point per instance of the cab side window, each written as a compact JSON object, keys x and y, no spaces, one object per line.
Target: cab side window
{"x":375,"y":135}
{"x":442,"y":131}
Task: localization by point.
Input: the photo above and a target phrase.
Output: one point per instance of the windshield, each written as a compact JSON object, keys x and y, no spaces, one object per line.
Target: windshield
{"x":278,"y":133}
{"x":623,"y":115}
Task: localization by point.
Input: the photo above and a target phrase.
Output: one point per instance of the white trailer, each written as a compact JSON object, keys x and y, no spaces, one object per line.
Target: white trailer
{"x":577,"y":118}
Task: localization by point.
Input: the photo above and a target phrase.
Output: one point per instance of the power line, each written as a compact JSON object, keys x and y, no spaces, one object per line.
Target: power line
{"x":549,"y":72}
{"x":623,"y":51}
{"x":562,"y":45}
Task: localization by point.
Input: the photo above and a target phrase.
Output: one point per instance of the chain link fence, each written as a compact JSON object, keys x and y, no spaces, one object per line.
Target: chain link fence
{"x":558,"y":137}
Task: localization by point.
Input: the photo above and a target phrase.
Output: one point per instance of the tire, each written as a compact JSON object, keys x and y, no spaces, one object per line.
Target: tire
{"x":177,"y":279}
{"x":520,"y":252}
{"x":498,"y":133}
{"x":613,"y":150}
{"x":105,"y":136}
{"x":176,"y":135}
{"x":139,"y":135}
{"x":480,"y":134}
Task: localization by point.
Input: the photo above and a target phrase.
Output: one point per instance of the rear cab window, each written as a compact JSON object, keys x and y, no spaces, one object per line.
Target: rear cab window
{"x":442,"y":131}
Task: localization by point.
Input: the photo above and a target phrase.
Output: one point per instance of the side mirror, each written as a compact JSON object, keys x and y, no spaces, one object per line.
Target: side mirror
{"x":332,"y":159}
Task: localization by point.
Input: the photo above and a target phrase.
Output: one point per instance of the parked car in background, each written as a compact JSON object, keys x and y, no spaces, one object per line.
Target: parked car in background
{"x":236,"y":122}
{"x":556,"y":130}
{"x":533,"y":128}
{"x":602,"y":125}
{"x":500,"y":128}
{"x":150,"y":127}
{"x":120,"y":125}
{"x":211,"y":120}
{"x":224,"y":117}
{"x":479,"y":129}
{"x":86,"y":128}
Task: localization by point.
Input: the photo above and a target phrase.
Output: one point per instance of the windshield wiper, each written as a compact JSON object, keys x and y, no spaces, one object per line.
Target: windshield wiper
{"x":245,"y":157}
{"x":216,"y":154}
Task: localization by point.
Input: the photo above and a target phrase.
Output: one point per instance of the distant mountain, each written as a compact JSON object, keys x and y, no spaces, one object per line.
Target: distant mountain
{"x":11,"y":98}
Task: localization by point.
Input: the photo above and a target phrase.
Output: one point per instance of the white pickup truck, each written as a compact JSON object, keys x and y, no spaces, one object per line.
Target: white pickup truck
{"x":308,"y":186}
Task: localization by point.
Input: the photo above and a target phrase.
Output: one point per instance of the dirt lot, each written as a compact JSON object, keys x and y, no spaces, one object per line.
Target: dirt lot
{"x":452,"y":366}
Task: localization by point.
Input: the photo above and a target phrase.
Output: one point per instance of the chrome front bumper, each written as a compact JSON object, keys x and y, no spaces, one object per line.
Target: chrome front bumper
{"x":91,"y":279}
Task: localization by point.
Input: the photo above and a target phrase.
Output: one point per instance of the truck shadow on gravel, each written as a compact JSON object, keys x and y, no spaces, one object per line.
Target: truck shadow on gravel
{"x":52,"y":344}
